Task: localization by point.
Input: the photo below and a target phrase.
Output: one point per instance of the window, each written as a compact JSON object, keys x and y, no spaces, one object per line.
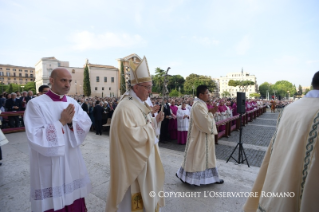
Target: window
{"x":8,"y":74}
{"x":97,"y":79}
{"x":14,"y":78}
{"x":20,"y":70}
{"x":31,"y":71}
{"x":0,"y":68}
{"x":9,"y":78}
{"x":26,"y":75}
{"x":14,"y":74}
{"x":102,"y":88}
{"x":1,"y":73}
{"x":26,"y":80}
{"x":8,"y":69}
{"x":14,"y":69}
{"x":109,"y":88}
{"x":20,"y":74}
{"x":31,"y":75}
{"x":96,"y":88}
{"x":112,"y":79}
{"x":73,"y":71}
{"x":105,"y":79}
{"x":25,"y":70}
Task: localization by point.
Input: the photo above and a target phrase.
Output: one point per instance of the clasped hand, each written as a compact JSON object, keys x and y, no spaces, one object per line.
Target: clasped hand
{"x":67,"y":114}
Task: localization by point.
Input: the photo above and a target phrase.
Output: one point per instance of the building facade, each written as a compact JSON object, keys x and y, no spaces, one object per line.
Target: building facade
{"x":105,"y":80}
{"x":223,"y":83}
{"x":16,"y":74}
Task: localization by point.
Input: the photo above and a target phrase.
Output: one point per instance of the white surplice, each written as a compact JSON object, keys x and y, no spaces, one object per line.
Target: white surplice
{"x":58,"y":175}
{"x":182,"y":124}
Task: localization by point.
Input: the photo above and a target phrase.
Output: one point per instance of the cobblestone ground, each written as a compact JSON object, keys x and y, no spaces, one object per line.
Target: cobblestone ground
{"x":257,"y":133}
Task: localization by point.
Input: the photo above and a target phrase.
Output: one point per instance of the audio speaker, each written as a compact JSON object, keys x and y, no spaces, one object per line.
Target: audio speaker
{"x":241,"y":106}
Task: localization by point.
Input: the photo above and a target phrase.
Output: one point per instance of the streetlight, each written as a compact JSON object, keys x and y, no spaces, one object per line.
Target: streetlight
{"x":22,"y":86}
{"x":76,"y":88}
{"x":288,"y":95}
{"x":193,"y":90}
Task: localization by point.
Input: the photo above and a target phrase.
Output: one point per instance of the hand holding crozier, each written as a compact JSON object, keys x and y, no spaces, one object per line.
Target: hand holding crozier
{"x":160,"y":117}
{"x":67,"y":114}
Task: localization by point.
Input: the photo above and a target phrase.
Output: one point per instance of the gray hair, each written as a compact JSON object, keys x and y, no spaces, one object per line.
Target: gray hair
{"x":13,"y":93}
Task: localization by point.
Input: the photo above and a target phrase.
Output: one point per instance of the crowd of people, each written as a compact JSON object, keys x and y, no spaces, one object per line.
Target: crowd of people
{"x":57,"y":124}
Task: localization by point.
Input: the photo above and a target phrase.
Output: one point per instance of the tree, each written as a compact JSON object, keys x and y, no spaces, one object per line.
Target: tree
{"x":299,"y":90}
{"x":196,"y":80}
{"x":241,"y":84}
{"x":30,"y":86}
{"x":158,"y":80}
{"x":86,"y":82}
{"x":225,"y":94}
{"x":174,"y":93}
{"x":175,"y":81}
{"x":264,"y":87}
{"x":123,"y":84}
{"x":284,"y":88}
{"x":254,"y":95}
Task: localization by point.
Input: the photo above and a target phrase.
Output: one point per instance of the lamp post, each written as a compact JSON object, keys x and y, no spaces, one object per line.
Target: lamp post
{"x":288,"y":95}
{"x":275,"y":94}
{"x":22,"y":86}
{"x":193,"y":90}
{"x":179,"y":89}
{"x":80,"y":90}
{"x":76,"y":88}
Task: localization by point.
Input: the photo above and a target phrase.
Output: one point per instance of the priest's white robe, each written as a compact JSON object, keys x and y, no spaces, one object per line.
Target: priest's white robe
{"x":58,"y":175}
{"x":291,"y":164}
{"x":182,"y":124}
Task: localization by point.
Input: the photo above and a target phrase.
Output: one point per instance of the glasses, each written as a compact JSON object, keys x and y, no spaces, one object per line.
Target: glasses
{"x":147,"y":87}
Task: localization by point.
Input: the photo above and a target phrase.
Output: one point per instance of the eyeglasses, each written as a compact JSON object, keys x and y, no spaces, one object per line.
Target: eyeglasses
{"x":147,"y":87}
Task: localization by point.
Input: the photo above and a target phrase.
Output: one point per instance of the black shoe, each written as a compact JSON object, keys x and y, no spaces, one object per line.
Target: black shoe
{"x":221,"y":181}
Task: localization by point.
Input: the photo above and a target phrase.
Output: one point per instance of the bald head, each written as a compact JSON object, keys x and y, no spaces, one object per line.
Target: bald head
{"x":60,"y":80}
{"x":57,"y":71}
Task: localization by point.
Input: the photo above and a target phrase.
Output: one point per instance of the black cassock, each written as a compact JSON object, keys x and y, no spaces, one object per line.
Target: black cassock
{"x":164,"y":125}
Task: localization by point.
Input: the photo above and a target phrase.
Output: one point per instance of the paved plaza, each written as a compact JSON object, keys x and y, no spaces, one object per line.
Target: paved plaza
{"x":14,"y":172}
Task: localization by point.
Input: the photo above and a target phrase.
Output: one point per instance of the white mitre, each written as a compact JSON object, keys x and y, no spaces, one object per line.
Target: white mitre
{"x":140,"y":73}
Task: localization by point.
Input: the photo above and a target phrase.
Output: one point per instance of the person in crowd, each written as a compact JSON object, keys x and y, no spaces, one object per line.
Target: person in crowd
{"x":85,"y":106}
{"x":135,"y":164}
{"x":172,"y":125}
{"x":13,"y":104}
{"x":56,"y":126}
{"x":98,"y":117}
{"x":293,"y":152}
{"x":43,"y":89}
{"x":23,"y":100}
{"x":182,"y":123}
{"x":91,"y":114}
{"x":199,"y":164}
{"x":18,"y":94}
{"x":165,"y":122}
{"x":30,"y":96}
{"x":222,"y":109}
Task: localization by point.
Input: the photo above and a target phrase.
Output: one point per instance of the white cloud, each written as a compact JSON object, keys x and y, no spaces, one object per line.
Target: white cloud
{"x":206,"y":41}
{"x":243,"y":45}
{"x":87,"y":40}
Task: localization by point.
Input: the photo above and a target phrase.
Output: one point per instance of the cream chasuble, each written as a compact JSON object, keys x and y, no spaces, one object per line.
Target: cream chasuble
{"x":58,"y":175}
{"x":135,"y":162}
{"x":291,"y":163}
{"x":200,"y":147}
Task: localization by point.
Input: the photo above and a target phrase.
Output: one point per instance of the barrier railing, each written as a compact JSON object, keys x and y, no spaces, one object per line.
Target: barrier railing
{"x":5,"y":116}
{"x":232,"y":123}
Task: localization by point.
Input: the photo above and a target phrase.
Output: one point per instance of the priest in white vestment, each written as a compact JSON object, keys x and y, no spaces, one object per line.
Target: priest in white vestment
{"x":56,"y":126}
{"x":135,"y":165}
{"x":182,"y":123}
{"x":290,"y":168}
{"x":199,"y":164}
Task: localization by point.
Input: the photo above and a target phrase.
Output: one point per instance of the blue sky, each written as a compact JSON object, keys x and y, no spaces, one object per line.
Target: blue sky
{"x":273,"y":40}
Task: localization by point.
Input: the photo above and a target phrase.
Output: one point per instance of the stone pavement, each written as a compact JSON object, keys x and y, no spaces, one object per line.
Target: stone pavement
{"x":14,"y":172}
